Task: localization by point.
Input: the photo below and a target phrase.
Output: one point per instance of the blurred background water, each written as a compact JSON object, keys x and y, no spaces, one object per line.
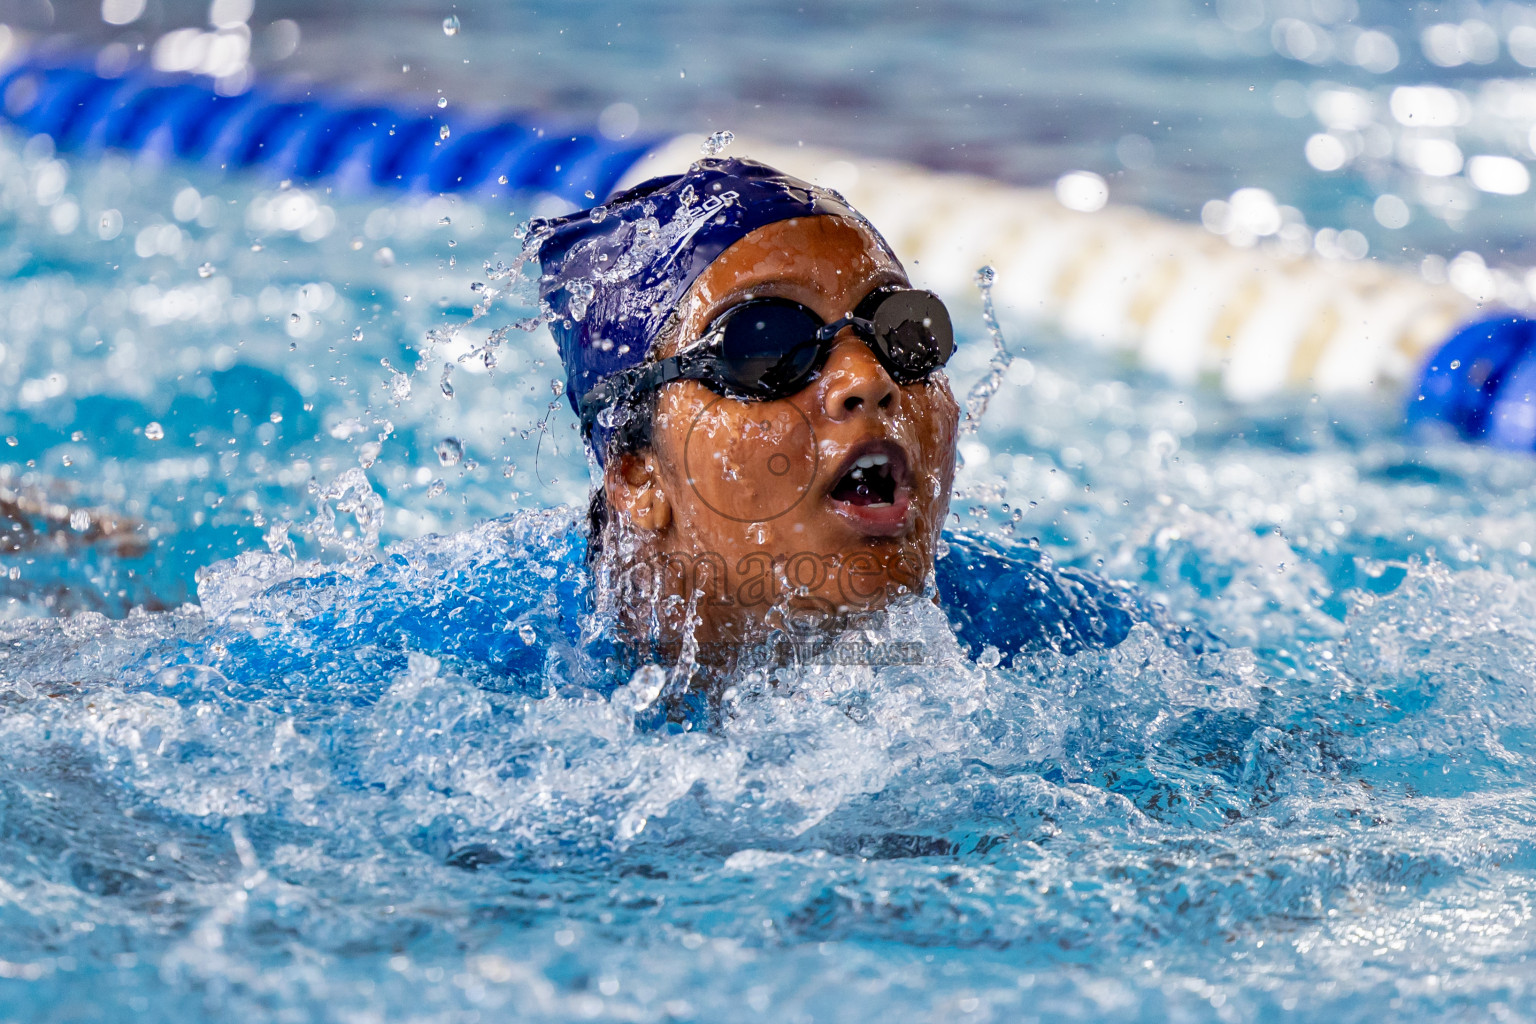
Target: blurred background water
{"x":262,"y":811}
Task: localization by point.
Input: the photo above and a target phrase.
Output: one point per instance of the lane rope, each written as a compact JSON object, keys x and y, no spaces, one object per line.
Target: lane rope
{"x":1179,"y":300}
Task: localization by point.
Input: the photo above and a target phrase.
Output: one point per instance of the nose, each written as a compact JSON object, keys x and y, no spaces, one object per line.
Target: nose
{"x":855,"y":380}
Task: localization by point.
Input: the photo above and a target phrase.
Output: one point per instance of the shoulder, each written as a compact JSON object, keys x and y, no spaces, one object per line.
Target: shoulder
{"x":1015,"y":598}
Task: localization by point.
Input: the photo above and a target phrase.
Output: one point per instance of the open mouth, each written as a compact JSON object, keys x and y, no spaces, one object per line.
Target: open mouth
{"x":870,"y":481}
{"x":873,"y":491}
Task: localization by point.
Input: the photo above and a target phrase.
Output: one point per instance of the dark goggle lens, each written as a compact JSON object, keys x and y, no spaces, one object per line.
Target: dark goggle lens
{"x":768,"y":348}
{"x":913,"y":334}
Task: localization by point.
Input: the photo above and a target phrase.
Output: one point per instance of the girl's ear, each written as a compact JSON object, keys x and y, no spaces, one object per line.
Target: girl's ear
{"x":633,"y":483}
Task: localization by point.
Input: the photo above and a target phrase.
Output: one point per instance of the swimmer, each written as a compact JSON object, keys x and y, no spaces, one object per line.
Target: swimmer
{"x":772,"y":434}
{"x":763,"y":396}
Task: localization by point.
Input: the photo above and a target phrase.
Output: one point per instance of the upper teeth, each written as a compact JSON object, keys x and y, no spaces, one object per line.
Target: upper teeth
{"x":870,"y":461}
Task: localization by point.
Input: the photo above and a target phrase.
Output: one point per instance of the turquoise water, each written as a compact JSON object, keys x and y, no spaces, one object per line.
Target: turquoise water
{"x":263,"y":808}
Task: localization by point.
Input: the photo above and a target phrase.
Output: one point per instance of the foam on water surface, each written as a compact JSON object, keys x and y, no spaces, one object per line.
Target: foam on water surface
{"x":368,"y":776}
{"x":339,"y":829}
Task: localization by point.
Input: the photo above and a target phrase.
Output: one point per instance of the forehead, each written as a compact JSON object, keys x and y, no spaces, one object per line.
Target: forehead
{"x":818,"y":256}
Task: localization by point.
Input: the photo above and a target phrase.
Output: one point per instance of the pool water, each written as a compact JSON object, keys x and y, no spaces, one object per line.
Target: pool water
{"x":235,"y":449}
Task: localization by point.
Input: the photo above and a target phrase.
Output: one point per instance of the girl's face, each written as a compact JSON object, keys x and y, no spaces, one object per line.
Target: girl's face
{"x":827,"y":502}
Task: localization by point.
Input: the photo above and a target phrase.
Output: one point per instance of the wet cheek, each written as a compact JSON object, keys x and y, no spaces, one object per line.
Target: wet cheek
{"x":749,"y":466}
{"x":935,"y":417}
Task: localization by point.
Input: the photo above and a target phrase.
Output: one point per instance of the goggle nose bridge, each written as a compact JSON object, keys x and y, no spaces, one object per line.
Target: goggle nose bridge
{"x":859,"y":324}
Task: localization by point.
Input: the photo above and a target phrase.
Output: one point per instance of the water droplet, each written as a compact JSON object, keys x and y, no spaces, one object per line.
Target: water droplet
{"x":450,"y":451}
{"x":590,"y":194}
{"x":79,"y":520}
{"x":256,"y":246}
{"x":581,"y":293}
{"x":450,"y":26}
{"x":556,"y":386}
{"x":13,"y":441}
{"x":682,"y":72}
{"x":985,"y":276}
{"x":294,"y":318}
{"x":444,"y":222}
{"x":206,"y":270}
{"x":437,"y":487}
{"x":357,"y":334}
{"x":154,"y":431}
{"x":716,"y":143}
{"x":443,"y":132}
{"x":529,"y":635}
{"x":384,"y":256}
{"x":442,"y":101}
{"x":599,"y":214}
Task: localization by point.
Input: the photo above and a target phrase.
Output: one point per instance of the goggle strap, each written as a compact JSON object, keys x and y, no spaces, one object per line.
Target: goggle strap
{"x":638,"y":380}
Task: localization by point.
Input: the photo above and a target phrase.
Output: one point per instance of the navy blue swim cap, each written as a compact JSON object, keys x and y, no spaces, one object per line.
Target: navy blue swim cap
{"x":614,"y":274}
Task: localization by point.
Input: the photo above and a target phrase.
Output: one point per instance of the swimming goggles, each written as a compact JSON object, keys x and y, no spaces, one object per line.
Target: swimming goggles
{"x":770,"y":348}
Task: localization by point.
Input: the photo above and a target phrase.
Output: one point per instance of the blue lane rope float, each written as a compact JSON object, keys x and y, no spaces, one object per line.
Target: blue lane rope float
{"x":1482,"y":383}
{"x":308,"y":137}
{"x":1176,"y":298}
